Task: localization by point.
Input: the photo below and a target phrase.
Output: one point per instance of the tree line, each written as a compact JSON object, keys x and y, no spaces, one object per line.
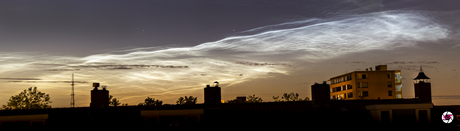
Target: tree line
{"x":285,"y":97}
{"x":155,"y":102}
{"x":31,"y":98}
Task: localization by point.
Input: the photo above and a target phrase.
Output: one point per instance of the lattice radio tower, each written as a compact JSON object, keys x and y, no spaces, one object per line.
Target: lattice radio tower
{"x":72,"y":96}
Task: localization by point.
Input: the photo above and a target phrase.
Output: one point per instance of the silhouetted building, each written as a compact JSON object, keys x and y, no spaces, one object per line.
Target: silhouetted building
{"x":241,"y":99}
{"x":369,"y":84}
{"x":413,"y":113}
{"x":320,"y":93}
{"x":422,"y":87}
{"x":212,"y":96}
{"x":99,"y":98}
{"x":368,"y":112}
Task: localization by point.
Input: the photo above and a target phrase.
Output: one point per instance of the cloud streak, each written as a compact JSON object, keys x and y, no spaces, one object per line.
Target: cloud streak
{"x":226,"y":60}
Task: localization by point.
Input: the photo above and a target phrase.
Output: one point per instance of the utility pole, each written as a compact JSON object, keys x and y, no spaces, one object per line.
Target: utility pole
{"x":72,"y":96}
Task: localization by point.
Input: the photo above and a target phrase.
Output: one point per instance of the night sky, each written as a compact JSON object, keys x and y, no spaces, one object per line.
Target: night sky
{"x":166,"y":49}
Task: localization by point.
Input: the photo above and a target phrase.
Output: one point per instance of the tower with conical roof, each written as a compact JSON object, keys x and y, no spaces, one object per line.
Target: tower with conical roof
{"x":422,"y":87}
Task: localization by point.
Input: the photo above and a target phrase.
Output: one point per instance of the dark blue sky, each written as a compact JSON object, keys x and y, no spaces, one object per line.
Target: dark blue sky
{"x":86,"y":27}
{"x":90,"y":26}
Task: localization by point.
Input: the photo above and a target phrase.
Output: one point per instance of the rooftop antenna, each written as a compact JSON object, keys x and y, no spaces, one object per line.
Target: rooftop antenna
{"x":216,"y":84}
{"x":72,"y":99}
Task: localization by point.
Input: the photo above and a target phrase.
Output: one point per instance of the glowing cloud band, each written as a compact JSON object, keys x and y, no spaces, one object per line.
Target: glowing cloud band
{"x":227,"y":60}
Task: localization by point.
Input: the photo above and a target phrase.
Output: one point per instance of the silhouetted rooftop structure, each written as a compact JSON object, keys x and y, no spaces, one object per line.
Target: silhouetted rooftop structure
{"x":368,"y":112}
{"x":421,"y":75}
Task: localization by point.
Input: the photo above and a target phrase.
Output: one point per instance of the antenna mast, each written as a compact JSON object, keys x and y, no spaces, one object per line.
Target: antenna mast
{"x":72,"y":99}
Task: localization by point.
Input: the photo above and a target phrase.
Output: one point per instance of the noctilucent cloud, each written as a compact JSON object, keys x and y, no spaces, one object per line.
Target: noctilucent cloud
{"x":168,"y":49}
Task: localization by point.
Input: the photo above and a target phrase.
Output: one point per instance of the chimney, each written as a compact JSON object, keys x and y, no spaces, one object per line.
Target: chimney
{"x":370,"y":69}
{"x":99,"y":98}
{"x":381,"y":68}
{"x":212,"y":96}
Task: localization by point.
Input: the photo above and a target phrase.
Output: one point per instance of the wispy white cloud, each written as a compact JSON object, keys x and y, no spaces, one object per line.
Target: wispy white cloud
{"x":222,"y":60}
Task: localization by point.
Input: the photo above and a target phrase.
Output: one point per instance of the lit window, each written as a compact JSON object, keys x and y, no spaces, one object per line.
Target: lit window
{"x":364,"y":85}
{"x":398,"y":87}
{"x":390,"y":84}
{"x":398,"y":77}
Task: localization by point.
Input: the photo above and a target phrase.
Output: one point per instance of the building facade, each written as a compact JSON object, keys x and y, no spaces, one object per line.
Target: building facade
{"x":370,"y":84}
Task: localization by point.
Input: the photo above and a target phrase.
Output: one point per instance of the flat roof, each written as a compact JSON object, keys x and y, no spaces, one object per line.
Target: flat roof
{"x":360,"y":72}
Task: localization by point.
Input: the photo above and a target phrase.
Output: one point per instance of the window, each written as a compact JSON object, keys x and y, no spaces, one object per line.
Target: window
{"x":349,"y":87}
{"x":365,"y":93}
{"x":364,"y":85}
{"x":388,"y":76}
{"x":362,"y":76}
{"x":358,"y":84}
{"x":340,"y":97}
{"x":398,"y":77}
{"x":423,"y":116}
{"x":406,"y":116}
{"x":349,"y":95}
{"x":390,"y":84}
{"x":347,"y":78}
{"x":390,"y":93}
{"x":338,"y":89}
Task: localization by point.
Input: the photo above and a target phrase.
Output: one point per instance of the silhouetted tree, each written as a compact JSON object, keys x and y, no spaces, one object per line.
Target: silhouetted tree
{"x":186,"y":100}
{"x":290,"y":97}
{"x":276,"y":98}
{"x":113,"y":101}
{"x":253,"y":99}
{"x":151,"y":102}
{"x":28,"y":99}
